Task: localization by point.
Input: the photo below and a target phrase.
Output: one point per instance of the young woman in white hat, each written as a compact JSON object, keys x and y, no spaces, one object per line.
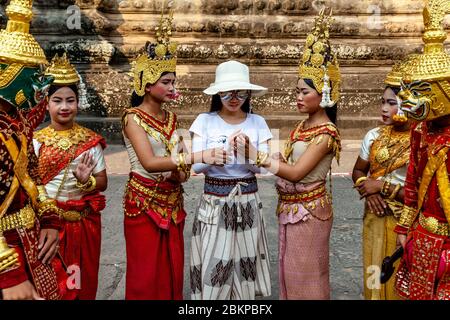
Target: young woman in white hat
{"x":229,"y":257}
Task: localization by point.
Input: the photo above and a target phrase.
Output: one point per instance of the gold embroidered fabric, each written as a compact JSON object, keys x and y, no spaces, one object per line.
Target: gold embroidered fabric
{"x":314,"y":134}
{"x":63,"y":140}
{"x":389,"y":151}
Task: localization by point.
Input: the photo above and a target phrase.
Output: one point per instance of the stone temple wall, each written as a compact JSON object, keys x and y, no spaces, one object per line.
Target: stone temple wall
{"x":268,"y":35}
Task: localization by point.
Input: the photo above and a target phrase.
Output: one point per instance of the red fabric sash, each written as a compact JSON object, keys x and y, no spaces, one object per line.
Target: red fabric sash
{"x":95,"y":202}
{"x":80,"y":241}
{"x":134,"y":201}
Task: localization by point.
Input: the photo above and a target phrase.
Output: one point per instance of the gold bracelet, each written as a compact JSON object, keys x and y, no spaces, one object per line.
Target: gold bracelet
{"x":360,"y":180}
{"x":8,"y":256}
{"x":88,"y":186}
{"x":47,"y":205}
{"x":385,"y":188}
{"x":395,"y":192}
{"x":261,"y":158}
{"x":407,"y":218}
{"x":181,"y":161}
{"x":93,"y":184}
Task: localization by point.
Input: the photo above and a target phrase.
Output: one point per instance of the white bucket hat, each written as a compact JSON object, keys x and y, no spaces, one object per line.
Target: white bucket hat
{"x":233,"y":75}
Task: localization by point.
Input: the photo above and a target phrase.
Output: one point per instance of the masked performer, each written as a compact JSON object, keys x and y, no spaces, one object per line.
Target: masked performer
{"x":423,"y":228}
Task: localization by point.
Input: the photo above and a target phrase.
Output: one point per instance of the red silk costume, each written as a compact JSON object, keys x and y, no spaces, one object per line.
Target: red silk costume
{"x":80,"y":236}
{"x":16,"y":130}
{"x":154,"y":223}
{"x":424,"y":272}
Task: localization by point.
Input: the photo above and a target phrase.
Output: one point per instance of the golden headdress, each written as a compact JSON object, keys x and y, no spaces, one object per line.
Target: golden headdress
{"x":319,"y":63}
{"x":22,"y":83}
{"x":17,"y":45}
{"x":426,"y":76}
{"x":158,"y":57}
{"x":63,"y":71}
{"x":434,"y":63}
{"x":394,"y":79}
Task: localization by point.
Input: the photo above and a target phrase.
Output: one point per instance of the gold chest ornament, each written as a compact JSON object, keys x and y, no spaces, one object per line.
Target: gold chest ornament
{"x":382,"y":155}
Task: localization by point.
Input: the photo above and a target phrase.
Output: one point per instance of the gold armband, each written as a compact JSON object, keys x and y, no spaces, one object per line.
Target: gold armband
{"x":8,"y":256}
{"x":407,"y":217}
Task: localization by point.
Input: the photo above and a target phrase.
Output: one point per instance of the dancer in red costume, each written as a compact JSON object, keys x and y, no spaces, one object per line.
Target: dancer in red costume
{"x":153,"y":201}
{"x":72,"y":168}
{"x":423,"y":228}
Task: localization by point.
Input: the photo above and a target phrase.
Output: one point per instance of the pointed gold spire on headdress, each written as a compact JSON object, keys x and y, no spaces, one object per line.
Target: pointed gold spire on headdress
{"x":434,"y":63}
{"x":158,"y":57}
{"x":319,"y":63}
{"x":63,"y":71}
{"x":17,"y":45}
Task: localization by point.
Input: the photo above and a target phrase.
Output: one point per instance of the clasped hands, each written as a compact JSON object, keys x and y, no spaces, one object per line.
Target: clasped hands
{"x":370,"y":189}
{"x":240,"y":145}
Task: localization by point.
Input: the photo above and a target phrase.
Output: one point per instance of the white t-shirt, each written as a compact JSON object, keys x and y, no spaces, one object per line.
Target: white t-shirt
{"x":211,"y":131}
{"x":397,"y":176}
{"x":70,"y":191}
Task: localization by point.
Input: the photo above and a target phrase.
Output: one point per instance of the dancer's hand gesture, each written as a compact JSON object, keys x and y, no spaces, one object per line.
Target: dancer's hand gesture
{"x":84,"y":169}
{"x":369,"y":187}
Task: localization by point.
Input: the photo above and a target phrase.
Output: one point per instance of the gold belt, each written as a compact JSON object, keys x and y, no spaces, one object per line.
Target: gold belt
{"x":171,"y":197}
{"x":432,"y":225}
{"x":72,"y":216}
{"x":24,"y":218}
{"x":305,"y":196}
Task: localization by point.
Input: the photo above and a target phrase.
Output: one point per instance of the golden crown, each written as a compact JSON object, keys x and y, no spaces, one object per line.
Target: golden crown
{"x":434,"y":62}
{"x":319,"y":63}
{"x":63,"y":71}
{"x":394,"y":77}
{"x":17,"y":45}
{"x":158,"y":57}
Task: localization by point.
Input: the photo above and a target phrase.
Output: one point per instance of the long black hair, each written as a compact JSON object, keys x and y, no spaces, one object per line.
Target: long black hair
{"x":216,"y":104}
{"x":137,"y":100}
{"x":330,"y":111}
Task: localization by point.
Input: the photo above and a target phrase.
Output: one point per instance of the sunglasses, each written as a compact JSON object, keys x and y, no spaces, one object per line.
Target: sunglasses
{"x":239,"y":94}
